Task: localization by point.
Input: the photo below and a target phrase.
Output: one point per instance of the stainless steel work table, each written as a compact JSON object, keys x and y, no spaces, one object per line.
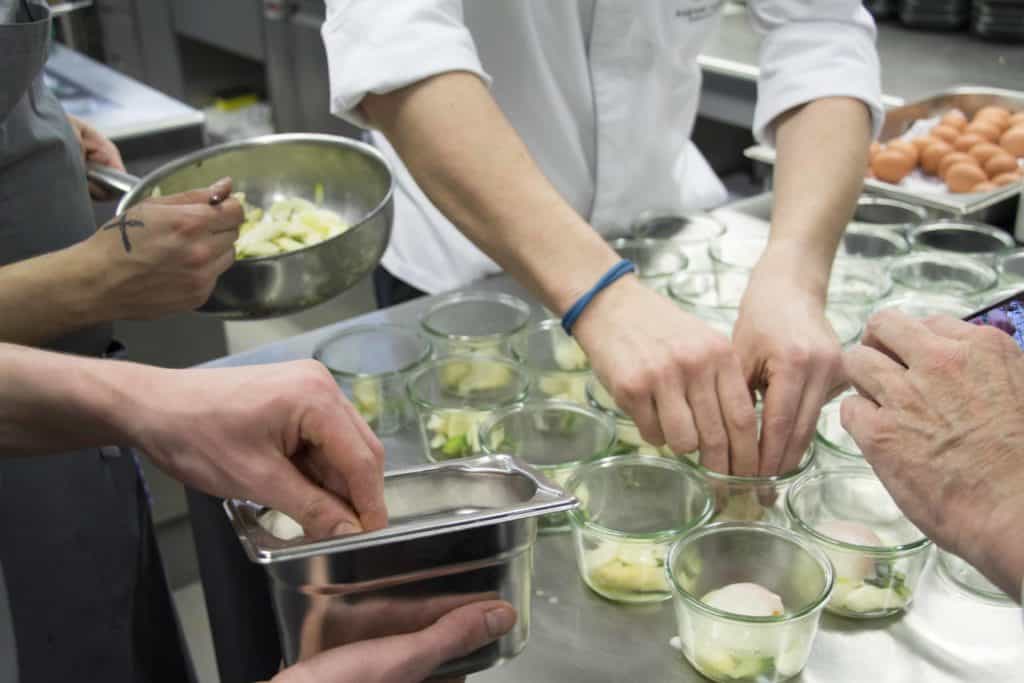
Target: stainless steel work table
{"x":915,"y":63}
{"x":577,"y":636}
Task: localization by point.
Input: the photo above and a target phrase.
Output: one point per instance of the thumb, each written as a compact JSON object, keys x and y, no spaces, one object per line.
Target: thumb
{"x":408,"y":658}
{"x":214,"y":194}
{"x":319,"y":512}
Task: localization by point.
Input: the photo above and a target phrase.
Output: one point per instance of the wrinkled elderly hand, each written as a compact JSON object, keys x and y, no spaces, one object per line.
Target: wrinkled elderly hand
{"x":939,"y":417}
{"x":790,"y":354}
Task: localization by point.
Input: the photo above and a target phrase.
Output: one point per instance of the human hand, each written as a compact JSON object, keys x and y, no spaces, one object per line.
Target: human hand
{"x":681,"y":381}
{"x":790,"y":354}
{"x":163,"y":255}
{"x":939,"y":419}
{"x":96,"y":148}
{"x":410,"y":657}
{"x":281,"y":435}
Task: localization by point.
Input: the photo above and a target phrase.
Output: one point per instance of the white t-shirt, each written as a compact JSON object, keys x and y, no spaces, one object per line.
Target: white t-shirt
{"x":603,"y":93}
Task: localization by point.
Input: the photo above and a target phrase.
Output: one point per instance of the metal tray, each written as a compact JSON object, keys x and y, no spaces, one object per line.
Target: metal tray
{"x":460,"y":532}
{"x":898,"y":120}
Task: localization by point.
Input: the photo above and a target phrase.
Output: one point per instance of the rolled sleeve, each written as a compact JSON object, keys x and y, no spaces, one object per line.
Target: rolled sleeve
{"x":825,"y":48}
{"x":378,"y":47}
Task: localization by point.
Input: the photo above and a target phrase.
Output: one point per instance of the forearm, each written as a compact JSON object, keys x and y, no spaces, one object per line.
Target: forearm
{"x":819,"y":173}
{"x":51,"y":402}
{"x":468,"y":159}
{"x":47,"y":296}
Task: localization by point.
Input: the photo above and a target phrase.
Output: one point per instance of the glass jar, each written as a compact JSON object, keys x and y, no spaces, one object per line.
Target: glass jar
{"x":627,"y":435}
{"x":872,"y":242}
{"x":475,"y":323}
{"x":979,"y":240}
{"x":936,"y":272}
{"x":834,"y":448}
{"x":692,"y":232}
{"x":888,"y":213}
{"x":1011,"y":267}
{"x":559,"y":369}
{"x":712,"y":296}
{"x":857,"y":286}
{"x":656,"y":260}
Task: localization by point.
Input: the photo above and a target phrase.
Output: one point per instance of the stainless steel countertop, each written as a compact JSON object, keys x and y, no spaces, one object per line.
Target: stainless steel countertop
{"x":915,"y":63}
{"x":577,"y":636}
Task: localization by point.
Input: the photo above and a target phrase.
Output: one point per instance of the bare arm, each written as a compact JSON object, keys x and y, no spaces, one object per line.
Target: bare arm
{"x":822,"y":152}
{"x":311,"y":456}
{"x":488,"y":185}
{"x":680,"y":381}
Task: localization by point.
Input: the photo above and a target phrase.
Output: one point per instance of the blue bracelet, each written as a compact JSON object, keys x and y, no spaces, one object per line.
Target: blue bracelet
{"x":623,"y":267}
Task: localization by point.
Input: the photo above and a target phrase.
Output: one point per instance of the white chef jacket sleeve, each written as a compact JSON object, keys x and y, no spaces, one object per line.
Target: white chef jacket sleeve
{"x":814,"y":49}
{"x":378,"y":47}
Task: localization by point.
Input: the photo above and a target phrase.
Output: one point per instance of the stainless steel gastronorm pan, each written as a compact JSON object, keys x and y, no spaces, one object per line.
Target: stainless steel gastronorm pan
{"x":459,"y":532}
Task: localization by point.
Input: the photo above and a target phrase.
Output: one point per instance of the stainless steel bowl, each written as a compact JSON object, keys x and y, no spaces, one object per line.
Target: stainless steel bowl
{"x":357,"y":184}
{"x":459,"y":532}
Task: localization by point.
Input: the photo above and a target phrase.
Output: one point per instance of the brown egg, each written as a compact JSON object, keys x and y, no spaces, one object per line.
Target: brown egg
{"x":1006,"y":178}
{"x":922,"y":143}
{"x":1016,"y":119}
{"x":874,"y":149}
{"x":955,"y":158}
{"x":954,"y":119}
{"x":993,"y":113}
{"x":983,"y":151}
{"x":1013,"y":141}
{"x":966,"y":141}
{"x":963,"y":177}
{"x":933,"y":154}
{"x":984,"y":187}
{"x":947,"y":133}
{"x":999,"y":164}
{"x":906,"y":148}
{"x":891,"y":166}
{"x":985,"y":129}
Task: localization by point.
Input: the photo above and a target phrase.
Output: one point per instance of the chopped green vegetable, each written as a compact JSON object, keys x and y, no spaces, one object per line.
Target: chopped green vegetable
{"x":456,"y":446}
{"x":289,"y":224}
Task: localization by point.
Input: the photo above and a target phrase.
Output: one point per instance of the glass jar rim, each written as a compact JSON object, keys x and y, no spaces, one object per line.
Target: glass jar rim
{"x":511,"y":302}
{"x":424,"y":404}
{"x":597,"y":416}
{"x":392,"y":328}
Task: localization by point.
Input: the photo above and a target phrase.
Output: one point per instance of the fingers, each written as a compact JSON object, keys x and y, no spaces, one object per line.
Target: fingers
{"x":351,"y":465}
{"x":369,"y":438}
{"x":320,"y":513}
{"x":707,"y":413}
{"x":814,"y":396}
{"x":778,"y":418}
{"x":871,"y":371}
{"x":905,"y":338}
{"x":740,"y":417}
{"x":408,"y":658}
{"x":859,"y":417}
{"x":675,"y":417}
{"x":219,"y":190}
{"x":641,"y":408}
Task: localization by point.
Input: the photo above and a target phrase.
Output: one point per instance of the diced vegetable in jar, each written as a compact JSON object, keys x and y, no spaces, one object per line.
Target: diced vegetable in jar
{"x":863,"y":584}
{"x":367,"y":395}
{"x":627,"y":568}
{"x":564,"y":387}
{"x":465,"y":378}
{"x":456,"y":433}
{"x":569,"y":356}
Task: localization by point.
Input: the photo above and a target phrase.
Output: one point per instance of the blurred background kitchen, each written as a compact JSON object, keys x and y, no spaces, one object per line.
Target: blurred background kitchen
{"x":165,"y":77}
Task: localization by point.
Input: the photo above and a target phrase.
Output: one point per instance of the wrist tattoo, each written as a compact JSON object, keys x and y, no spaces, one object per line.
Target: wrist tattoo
{"x":122,"y":223}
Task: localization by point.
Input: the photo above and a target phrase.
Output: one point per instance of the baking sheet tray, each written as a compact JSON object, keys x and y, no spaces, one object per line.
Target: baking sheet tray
{"x":898,"y":120}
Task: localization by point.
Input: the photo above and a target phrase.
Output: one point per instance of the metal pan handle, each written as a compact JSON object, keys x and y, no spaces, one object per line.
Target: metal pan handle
{"x":112,"y":179}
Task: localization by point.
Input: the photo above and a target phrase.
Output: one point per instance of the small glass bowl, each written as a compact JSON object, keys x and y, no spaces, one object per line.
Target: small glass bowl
{"x":872,"y":242}
{"x":754,"y":499}
{"x":454,"y":396}
{"x":656,"y":260}
{"x":632,"y":509}
{"x":475,"y":323}
{"x":691,"y":232}
{"x":834,"y":448}
{"x":1011,"y":267}
{"x":554,"y":437}
{"x":970,"y":581}
{"x":736,"y":251}
{"x":712,"y":296}
{"x":889,"y":213}
{"x":559,"y":368}
{"x":936,"y":272}
{"x":857,"y":286}
{"x":872,"y":580}
{"x":730,"y":647}
{"x":917,"y":305}
{"x":371,"y":363}
{"x":627,"y":435}
{"x":979,"y":240}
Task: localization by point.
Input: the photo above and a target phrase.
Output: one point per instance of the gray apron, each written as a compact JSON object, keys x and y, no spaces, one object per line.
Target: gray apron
{"x":85,"y":585}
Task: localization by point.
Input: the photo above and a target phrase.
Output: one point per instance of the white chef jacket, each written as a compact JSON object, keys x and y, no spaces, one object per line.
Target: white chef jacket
{"x":602,"y":92}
